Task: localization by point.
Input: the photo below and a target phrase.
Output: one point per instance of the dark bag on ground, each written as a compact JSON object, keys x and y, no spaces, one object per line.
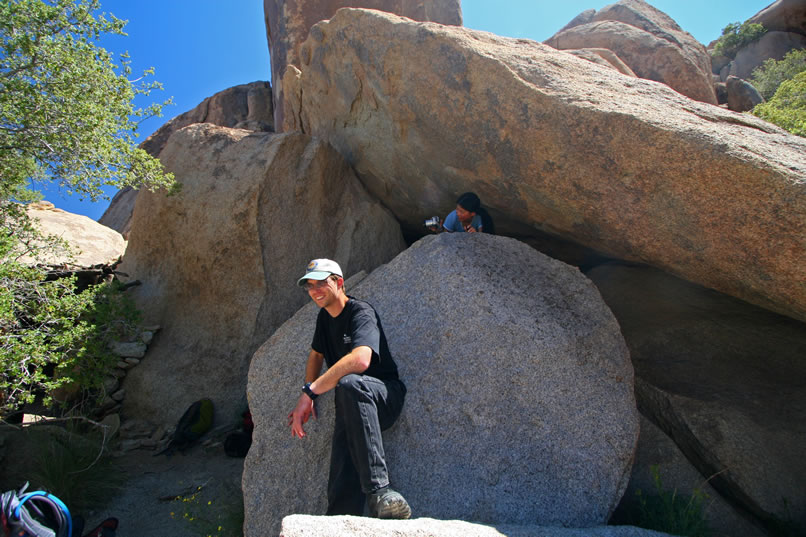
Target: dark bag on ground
{"x":237,"y":444}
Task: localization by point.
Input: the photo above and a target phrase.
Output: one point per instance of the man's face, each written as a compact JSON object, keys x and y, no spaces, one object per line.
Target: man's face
{"x":464,"y":216}
{"x":323,"y":292}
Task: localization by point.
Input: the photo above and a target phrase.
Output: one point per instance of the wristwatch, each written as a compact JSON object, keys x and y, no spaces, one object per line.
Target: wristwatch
{"x":309,"y":392}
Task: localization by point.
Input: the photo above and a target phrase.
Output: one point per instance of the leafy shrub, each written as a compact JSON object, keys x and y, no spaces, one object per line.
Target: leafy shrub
{"x":769,"y":75}
{"x":735,"y":36}
{"x":51,"y":334}
{"x":668,"y":512}
{"x":68,"y":115}
{"x":787,"y":108}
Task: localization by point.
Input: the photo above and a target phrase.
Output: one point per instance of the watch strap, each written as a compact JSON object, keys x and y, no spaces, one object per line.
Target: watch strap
{"x":309,"y":392}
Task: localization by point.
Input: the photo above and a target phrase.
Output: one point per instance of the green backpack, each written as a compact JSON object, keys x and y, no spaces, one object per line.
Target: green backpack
{"x":197,"y":420}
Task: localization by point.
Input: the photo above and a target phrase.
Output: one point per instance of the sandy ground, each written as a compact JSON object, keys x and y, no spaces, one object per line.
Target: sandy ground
{"x":146,"y":505}
{"x":206,"y":481}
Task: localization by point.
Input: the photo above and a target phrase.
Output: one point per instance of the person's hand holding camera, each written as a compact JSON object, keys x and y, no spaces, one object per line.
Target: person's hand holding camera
{"x":433,"y":224}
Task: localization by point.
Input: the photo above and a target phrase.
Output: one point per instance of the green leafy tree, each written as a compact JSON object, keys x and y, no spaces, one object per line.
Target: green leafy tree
{"x":735,"y":36}
{"x":787,"y":108}
{"x":66,"y":109}
{"x":770,"y":74}
{"x":67,"y":115}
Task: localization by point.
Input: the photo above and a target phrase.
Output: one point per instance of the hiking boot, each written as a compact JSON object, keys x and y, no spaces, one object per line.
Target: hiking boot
{"x":387,"y":503}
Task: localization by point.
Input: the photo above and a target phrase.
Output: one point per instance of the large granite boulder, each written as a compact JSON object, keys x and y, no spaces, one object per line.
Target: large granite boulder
{"x":583,"y":18}
{"x":288,"y":23}
{"x":247,"y":106}
{"x":218,"y":262}
{"x":557,"y":144}
{"x":90,"y":243}
{"x":742,"y":95}
{"x":783,"y":16}
{"x":649,"y":42}
{"x":347,"y":526}
{"x":772,"y":45}
{"x":726,"y":381}
{"x":520,"y":404}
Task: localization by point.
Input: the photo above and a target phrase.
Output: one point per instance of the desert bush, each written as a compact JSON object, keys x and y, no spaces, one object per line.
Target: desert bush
{"x":787,"y":108}
{"x":52,"y":334}
{"x":67,"y":106}
{"x":735,"y":36}
{"x":772,"y":73}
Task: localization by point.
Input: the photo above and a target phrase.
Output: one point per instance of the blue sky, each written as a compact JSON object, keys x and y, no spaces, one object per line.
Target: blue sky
{"x":201,"y":47}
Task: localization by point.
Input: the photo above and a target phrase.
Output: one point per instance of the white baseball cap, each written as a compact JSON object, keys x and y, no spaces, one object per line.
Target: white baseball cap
{"x":319,"y":269}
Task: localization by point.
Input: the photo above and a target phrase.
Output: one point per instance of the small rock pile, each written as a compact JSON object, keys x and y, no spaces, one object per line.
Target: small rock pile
{"x":130,"y":353}
{"x":137,"y":434}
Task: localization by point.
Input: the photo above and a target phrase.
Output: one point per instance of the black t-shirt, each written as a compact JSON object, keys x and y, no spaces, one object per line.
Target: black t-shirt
{"x":357,"y":325}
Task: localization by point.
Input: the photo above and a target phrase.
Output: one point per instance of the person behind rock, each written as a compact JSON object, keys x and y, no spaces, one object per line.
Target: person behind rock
{"x":369,"y":395}
{"x":469,"y":216}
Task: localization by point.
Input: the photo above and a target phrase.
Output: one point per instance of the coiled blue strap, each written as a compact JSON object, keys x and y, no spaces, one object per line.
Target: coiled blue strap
{"x":60,"y":504}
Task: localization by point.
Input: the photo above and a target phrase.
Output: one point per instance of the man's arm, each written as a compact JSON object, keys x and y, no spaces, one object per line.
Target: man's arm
{"x":356,"y":361}
{"x":305,"y":407}
{"x":314,"y":366}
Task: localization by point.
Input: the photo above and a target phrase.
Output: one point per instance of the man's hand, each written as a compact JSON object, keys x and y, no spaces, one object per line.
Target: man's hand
{"x":300,"y":415}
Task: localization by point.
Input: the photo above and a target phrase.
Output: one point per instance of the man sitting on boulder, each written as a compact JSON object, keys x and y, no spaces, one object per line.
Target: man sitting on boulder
{"x":369,"y":395}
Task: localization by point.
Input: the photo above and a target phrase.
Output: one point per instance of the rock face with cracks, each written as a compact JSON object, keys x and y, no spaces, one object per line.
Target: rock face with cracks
{"x":219,"y":261}
{"x":553,"y":142}
{"x":605,"y":57}
{"x":725,"y":380}
{"x":520,"y":403}
{"x":288,"y":23}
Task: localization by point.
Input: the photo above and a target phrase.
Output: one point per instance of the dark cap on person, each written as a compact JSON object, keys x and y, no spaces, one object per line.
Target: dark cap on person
{"x":319,"y":269}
